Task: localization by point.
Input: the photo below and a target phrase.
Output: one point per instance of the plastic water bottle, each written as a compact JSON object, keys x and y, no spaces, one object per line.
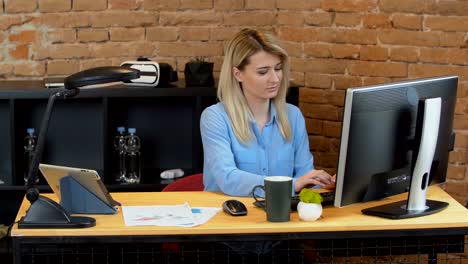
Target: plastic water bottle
{"x":133,"y":157}
{"x":29,"y":146}
{"x":119,"y":155}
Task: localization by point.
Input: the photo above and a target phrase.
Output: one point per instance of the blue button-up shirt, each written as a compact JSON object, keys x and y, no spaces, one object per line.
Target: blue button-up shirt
{"x":235,"y":168}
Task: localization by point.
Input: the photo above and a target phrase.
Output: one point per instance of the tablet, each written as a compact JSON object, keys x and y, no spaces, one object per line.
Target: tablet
{"x":87,"y":178}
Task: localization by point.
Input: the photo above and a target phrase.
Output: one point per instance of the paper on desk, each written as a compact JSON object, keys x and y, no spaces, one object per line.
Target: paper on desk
{"x":167,"y":215}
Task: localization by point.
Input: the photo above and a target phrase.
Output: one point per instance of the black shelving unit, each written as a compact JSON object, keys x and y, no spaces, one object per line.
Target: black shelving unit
{"x":82,"y":129}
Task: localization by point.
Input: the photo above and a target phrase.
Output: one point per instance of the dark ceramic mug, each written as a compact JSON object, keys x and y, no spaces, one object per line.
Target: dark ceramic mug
{"x":278,"y":190}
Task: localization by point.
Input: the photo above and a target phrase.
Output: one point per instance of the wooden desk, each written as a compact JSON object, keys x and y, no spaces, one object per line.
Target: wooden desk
{"x":335,"y":223}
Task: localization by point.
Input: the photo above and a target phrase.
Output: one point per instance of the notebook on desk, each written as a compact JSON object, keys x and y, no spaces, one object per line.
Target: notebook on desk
{"x":89,"y":179}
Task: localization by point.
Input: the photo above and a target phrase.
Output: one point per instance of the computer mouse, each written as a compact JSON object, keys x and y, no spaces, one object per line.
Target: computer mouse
{"x":234,"y":208}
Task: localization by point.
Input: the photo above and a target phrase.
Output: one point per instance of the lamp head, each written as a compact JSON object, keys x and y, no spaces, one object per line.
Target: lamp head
{"x":100,"y":75}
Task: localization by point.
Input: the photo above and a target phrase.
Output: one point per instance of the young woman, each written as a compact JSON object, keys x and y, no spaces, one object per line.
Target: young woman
{"x":252,"y":132}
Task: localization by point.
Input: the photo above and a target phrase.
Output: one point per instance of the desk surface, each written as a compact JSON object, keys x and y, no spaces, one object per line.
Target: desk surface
{"x":349,"y":219}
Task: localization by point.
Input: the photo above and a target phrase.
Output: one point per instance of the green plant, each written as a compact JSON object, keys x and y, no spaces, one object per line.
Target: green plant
{"x":308,"y":196}
{"x":199,"y":60}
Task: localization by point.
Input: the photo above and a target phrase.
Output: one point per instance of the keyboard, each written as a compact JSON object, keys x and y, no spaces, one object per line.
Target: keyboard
{"x":328,"y":199}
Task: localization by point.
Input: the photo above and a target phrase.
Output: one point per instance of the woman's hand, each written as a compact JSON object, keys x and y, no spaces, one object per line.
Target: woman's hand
{"x":315,"y":177}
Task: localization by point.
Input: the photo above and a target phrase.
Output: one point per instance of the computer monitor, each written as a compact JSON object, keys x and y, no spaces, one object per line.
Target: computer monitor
{"x":387,"y":148}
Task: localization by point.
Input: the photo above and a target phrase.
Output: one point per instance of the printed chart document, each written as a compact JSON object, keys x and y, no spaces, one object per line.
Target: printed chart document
{"x":168,"y":215}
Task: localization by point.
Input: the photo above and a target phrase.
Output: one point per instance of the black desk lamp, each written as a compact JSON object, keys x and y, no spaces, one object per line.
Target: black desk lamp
{"x":44,"y":212}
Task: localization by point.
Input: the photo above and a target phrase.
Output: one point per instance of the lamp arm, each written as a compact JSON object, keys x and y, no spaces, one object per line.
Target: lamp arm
{"x":32,"y":193}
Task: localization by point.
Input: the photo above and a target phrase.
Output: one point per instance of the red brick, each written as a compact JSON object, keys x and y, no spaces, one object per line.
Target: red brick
{"x":347,"y":6}
{"x":108,"y":50}
{"x":436,"y":55}
{"x":452,"y":8}
{"x":68,"y":51}
{"x":293,"y":48}
{"x":408,"y":54}
{"x":444,"y":23}
{"x":377,"y":21}
{"x":318,"y":18}
{"x":91,"y":63}
{"x":196,"y":4}
{"x":194,"y":18}
{"x":62,"y":67}
{"x":366,"y":81}
{"x":223,"y":33}
{"x":461,"y":140}
{"x":93,"y":35}
{"x":6,"y":70}
{"x":335,"y":98}
{"x":194,"y":33}
{"x":125,"y":4}
{"x":297,"y":78}
{"x":228,"y":5}
{"x":460,"y":122}
{"x":54,"y":5}
{"x":61,"y":35}
{"x":139,"y":48}
{"x":290,"y":18}
{"x":453,"y":39}
{"x":162,"y":33}
{"x":26,"y":36}
{"x":332,"y":129}
{"x":345,"y":51}
{"x":321,"y":111}
{"x":428,"y":70}
{"x":316,"y":80}
{"x":461,"y":107}
{"x":89,"y":5}
{"x":459,"y":156}
{"x":407,"y":6}
{"x":192,"y":49}
{"x":319,"y":65}
{"x":317,"y":50}
{"x":373,"y":53}
{"x":405,"y":21}
{"x":298,"y":4}
{"x":319,"y":143}
{"x":124,"y":19}
{"x":325,"y":159}
{"x":19,"y":52}
{"x":456,"y":172}
{"x":379,"y":69}
{"x":298,"y":34}
{"x":462,"y":90}
{"x":260,"y":4}
{"x":311,"y":95}
{"x":127,"y":34}
{"x":161,"y":5}
{"x":7,"y":21}
{"x":345,"y":81}
{"x":313,"y":126}
{"x":29,"y":69}
{"x":362,"y":36}
{"x":63,"y":20}
{"x":348,"y":19}
{"x":250,"y":18}
{"x":20,"y":6}
{"x":411,"y":38}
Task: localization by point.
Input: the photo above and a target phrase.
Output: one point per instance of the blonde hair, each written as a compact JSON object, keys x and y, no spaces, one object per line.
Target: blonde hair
{"x":242,"y":46}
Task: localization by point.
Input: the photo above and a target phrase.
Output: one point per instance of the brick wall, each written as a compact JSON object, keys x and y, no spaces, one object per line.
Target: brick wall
{"x":334,"y":44}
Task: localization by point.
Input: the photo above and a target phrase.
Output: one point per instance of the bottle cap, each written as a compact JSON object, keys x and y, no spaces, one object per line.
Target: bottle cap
{"x":121,"y":129}
{"x":131,"y":130}
{"x":30,"y":130}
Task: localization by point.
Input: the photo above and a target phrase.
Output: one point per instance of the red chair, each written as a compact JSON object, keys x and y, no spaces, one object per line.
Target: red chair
{"x":186,"y":184}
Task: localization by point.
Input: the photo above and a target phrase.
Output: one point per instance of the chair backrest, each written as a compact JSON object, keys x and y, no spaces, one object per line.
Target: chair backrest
{"x":186,"y":184}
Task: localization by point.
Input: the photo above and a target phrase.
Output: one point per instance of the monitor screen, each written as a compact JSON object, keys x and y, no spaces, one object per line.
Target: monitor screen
{"x":379,"y":138}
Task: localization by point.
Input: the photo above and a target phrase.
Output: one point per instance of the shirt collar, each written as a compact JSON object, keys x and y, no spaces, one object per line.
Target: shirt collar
{"x":273,"y":115}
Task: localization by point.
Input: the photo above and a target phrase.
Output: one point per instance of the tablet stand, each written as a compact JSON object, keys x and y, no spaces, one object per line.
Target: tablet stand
{"x":77,"y":199}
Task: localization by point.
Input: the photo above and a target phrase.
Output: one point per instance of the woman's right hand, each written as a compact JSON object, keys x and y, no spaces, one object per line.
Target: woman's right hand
{"x":315,"y":177}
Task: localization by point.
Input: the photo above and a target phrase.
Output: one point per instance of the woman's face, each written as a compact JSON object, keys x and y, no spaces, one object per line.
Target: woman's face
{"x":261,"y":78}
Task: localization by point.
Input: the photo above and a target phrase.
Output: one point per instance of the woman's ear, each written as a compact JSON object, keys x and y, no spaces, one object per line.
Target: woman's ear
{"x":237,"y":74}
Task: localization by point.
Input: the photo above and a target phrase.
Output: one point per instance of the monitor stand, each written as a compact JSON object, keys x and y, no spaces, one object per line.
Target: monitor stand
{"x":428,"y":122}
